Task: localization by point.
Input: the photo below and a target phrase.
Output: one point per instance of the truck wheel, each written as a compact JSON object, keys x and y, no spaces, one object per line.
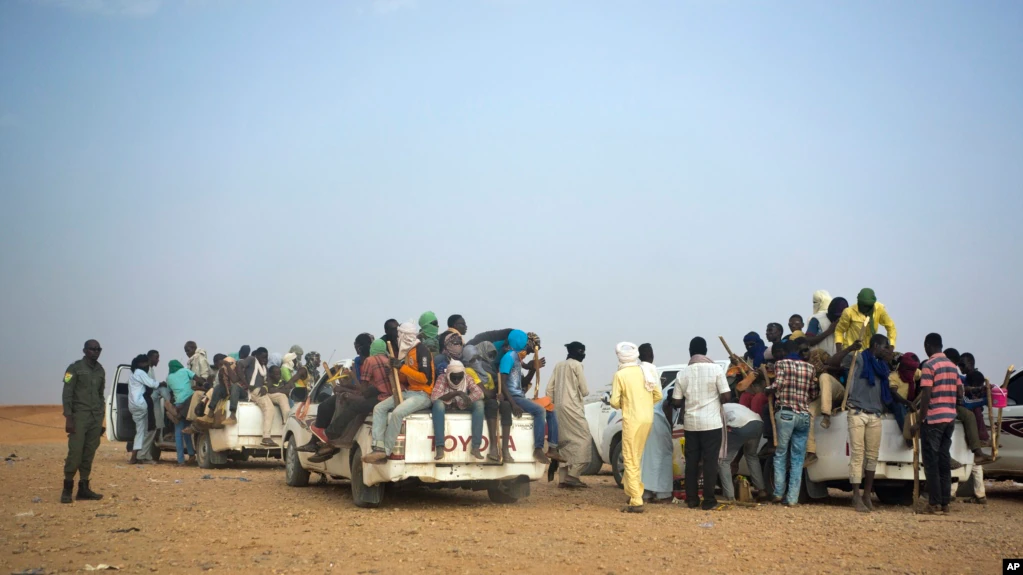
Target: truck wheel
{"x":617,"y":461}
{"x":294,"y":474}
{"x":363,"y":495}
{"x":508,"y":492}
{"x":899,"y":494}
{"x":596,"y":463}
{"x":205,"y":456}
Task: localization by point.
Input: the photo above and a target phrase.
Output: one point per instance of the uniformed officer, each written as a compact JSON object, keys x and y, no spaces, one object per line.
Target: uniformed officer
{"x":83,"y":413}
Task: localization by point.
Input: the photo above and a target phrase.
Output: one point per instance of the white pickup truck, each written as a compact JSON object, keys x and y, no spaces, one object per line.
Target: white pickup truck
{"x":412,"y":463}
{"x":894,"y":475}
{"x":214,"y":447}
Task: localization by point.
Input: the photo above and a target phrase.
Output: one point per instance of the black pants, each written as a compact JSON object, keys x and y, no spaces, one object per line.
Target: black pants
{"x":937,"y":445}
{"x":354,"y":408}
{"x":325,"y":413}
{"x":702,"y":446}
{"x":219,"y":393}
{"x":491,"y":407}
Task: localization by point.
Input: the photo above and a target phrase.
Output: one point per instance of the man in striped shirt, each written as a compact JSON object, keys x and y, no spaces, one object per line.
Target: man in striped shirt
{"x":940,"y":386}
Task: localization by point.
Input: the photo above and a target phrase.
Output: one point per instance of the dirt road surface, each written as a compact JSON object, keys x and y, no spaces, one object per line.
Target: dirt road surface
{"x":166,"y":519}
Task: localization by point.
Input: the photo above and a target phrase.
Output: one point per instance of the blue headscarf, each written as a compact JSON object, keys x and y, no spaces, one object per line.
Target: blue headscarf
{"x":876,"y":368}
{"x":517,"y":340}
{"x":274,"y":360}
{"x":756,"y":352}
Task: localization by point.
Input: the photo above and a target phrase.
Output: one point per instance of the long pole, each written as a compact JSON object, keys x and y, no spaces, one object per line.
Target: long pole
{"x":536,"y":364}
{"x":916,"y":460}
{"x":996,"y":433}
{"x":397,"y":382}
{"x":770,"y":407}
{"x":991,"y":421}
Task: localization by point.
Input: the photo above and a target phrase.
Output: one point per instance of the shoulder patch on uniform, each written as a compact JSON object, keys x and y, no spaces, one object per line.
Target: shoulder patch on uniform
{"x":67,"y":377}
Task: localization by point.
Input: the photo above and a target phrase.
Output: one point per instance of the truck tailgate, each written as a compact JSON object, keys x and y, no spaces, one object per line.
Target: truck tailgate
{"x":419,"y":438}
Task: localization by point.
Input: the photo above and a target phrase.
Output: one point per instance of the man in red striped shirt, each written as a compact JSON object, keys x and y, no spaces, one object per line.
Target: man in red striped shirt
{"x":940,"y":387}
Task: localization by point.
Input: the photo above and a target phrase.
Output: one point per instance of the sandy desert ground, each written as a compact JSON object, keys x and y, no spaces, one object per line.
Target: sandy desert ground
{"x":166,"y":519}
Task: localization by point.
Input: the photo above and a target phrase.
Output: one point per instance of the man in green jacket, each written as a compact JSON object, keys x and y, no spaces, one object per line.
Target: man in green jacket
{"x":83,"y":420}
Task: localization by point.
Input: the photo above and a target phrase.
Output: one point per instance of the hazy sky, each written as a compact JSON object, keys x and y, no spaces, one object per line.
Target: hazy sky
{"x":272,"y":173}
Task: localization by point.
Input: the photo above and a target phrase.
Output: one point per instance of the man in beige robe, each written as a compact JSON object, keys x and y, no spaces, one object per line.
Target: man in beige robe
{"x":567,"y":388}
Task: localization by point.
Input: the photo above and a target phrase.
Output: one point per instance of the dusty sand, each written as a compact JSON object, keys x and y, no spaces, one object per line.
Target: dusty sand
{"x":187,"y":524}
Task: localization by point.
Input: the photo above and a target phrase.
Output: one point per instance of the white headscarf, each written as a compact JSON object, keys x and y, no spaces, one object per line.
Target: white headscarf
{"x":457,"y":367}
{"x":821,"y":300}
{"x":408,"y":338}
{"x":628,"y":354}
{"x":650,"y":375}
{"x":289,"y":360}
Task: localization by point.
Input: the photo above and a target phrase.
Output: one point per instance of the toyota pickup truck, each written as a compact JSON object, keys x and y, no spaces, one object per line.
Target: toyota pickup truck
{"x":411,"y":463}
{"x":213,"y":447}
{"x":893,"y":482}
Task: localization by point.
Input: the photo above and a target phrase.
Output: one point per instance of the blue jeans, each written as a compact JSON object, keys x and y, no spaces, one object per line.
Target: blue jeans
{"x":387,"y":418}
{"x":540,"y":415}
{"x":793,"y":429}
{"x":181,"y":440}
{"x":438,"y":422}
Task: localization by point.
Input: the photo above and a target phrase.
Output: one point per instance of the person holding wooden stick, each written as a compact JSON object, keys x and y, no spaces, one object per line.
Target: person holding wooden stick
{"x":794,"y":388}
{"x":868,"y":394}
{"x":514,"y":385}
{"x":414,"y":364}
{"x":939,"y":388}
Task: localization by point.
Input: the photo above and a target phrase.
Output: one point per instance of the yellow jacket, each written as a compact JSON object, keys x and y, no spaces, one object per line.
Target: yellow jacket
{"x":852,"y":321}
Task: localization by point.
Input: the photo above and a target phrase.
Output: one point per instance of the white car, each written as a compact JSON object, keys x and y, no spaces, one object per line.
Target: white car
{"x":214,"y":447}
{"x":412,"y":463}
{"x":893,"y":482}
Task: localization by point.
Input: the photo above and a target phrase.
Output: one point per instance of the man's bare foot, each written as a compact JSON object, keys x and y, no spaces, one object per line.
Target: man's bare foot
{"x":506,"y":456}
{"x":858,"y":504}
{"x":475,"y":452}
{"x":134,"y":460}
{"x":944,"y":510}
{"x":440,"y":453}
{"x":375,"y":456}
{"x":540,"y":457}
{"x":494,"y":454}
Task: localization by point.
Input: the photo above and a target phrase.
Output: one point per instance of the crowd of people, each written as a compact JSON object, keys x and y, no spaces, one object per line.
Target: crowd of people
{"x":838,"y":362}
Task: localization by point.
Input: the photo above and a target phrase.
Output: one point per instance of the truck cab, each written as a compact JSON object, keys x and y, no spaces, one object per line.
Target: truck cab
{"x":411,"y":464}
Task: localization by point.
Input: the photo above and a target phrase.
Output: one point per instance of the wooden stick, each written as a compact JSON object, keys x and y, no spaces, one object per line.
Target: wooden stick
{"x":849,"y":379}
{"x":991,"y":420}
{"x":770,"y":406}
{"x":500,"y":398}
{"x":916,"y":459}
{"x":397,"y":381}
{"x":536,"y":364}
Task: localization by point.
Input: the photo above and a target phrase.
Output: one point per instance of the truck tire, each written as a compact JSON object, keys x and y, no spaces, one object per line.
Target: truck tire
{"x":363,"y":495}
{"x":596,"y":463}
{"x":294,"y":474}
{"x":898,"y":494}
{"x":205,"y":456}
{"x":508,"y":492}
{"x":617,"y":462}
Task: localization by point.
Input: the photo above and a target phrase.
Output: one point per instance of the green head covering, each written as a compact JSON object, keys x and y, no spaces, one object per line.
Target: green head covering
{"x":174,"y":366}
{"x":378,"y":347}
{"x":428,"y":324}
{"x":866,"y":297}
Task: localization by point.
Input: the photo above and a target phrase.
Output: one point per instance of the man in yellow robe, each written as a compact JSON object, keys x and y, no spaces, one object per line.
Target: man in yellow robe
{"x":634,"y":390}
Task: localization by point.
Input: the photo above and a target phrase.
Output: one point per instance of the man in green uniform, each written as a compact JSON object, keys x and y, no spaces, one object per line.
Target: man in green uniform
{"x":83,"y":414}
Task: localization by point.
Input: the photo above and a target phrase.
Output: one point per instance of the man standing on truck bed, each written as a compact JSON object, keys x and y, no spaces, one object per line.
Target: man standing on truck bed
{"x":415,"y":369}
{"x":83,"y":420}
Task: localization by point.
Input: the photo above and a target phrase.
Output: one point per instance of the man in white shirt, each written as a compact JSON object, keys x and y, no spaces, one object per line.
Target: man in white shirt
{"x":745,"y":430}
{"x":703,"y":388}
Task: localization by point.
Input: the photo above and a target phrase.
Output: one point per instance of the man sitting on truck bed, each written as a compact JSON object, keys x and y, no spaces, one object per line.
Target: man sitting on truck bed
{"x":252,"y":371}
{"x":415,"y":368}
